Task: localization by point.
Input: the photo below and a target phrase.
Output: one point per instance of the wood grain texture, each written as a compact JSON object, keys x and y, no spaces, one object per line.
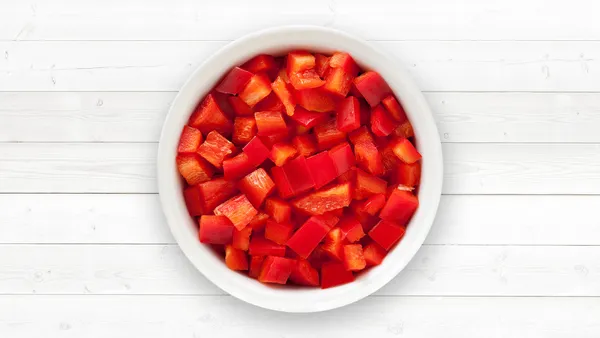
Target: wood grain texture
{"x":540,"y":66}
{"x":138,"y":116}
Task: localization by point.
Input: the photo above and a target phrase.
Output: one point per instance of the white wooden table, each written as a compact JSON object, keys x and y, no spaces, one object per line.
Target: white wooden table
{"x":84,"y":248}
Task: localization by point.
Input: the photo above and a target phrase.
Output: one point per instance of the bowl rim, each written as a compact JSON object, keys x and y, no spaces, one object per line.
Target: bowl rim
{"x":279,"y":39}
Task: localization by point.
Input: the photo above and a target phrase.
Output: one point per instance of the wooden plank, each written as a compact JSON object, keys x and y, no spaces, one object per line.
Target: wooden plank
{"x":568,"y":66}
{"x":162,"y":316}
{"x":138,"y":219}
{"x":381,"y":19}
{"x":138,"y":116}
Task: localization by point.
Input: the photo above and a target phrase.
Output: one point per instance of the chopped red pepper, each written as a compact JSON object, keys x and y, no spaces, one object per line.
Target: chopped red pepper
{"x":321,"y":168}
{"x":236,"y":167}
{"x":321,"y":64}
{"x":354,"y":260}
{"x":193,"y":168}
{"x":368,"y":157}
{"x":235,"y":259}
{"x":190,"y":140}
{"x":368,"y":185}
{"x":348,"y":114}
{"x":260,"y":246}
{"x":257,"y":186}
{"x":328,"y":135}
{"x":241,"y":238}
{"x":280,"y":211}
{"x":285,"y":94}
{"x":400,"y":207}
{"x":282,"y":152}
{"x":284,"y":188}
{"x":304,"y":274}
{"x":256,"y":151}
{"x":343,"y":71}
{"x":342,"y":157}
{"x":334,"y":244}
{"x":362,"y":134}
{"x":308,"y":236}
{"x":374,"y":254}
{"x":334,"y":274}
{"x":382,"y":124}
{"x":405,"y":151}
{"x":234,"y":81}
{"x":372,"y":87}
{"x":270,"y":103}
{"x":324,"y":200}
{"x":270,"y":123}
{"x":301,"y":72}
{"x":244,"y":129}
{"x":315,"y":100}
{"x":275,"y":270}
{"x":240,"y":108}
{"x":305,"y":144}
{"x":258,"y":222}
{"x":387,"y":233}
{"x":404,"y":130}
{"x":215,"y":229}
{"x":307,"y":118}
{"x":407,"y":174}
{"x":278,"y":232}
{"x":298,"y":175}
{"x":255,"y":266}
{"x":215,"y":192}
{"x":238,"y":209}
{"x":373,"y":204}
{"x":193,"y":202}
{"x":394,"y":108}
{"x":260,"y":63}
{"x":351,"y":228}
{"x":215,"y":149}
{"x":257,"y":89}
{"x":208,"y":117}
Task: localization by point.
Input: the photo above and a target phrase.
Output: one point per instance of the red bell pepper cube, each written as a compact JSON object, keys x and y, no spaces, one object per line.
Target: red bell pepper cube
{"x":387,"y":233}
{"x":235,"y":259}
{"x":307,"y":118}
{"x":258,"y":222}
{"x":283,"y":74}
{"x":405,"y":150}
{"x":215,"y":149}
{"x":215,"y":229}
{"x":244,"y":129}
{"x":301,"y":72}
{"x":223,"y":103}
{"x":305,"y":144}
{"x":361,"y":134}
{"x":354,"y":260}
{"x":215,"y":192}
{"x":271,"y":140}
{"x":270,"y":103}
{"x":284,"y":188}
{"x":208,"y":117}
{"x":308,"y":236}
{"x":342,"y":157}
{"x":374,"y":254}
{"x":234,"y":81}
{"x":324,"y":200}
{"x":257,"y":186}
{"x":404,"y":130}
{"x":334,"y":244}
{"x":191,"y":195}
{"x":257,"y":151}
{"x":342,"y":73}
{"x":304,"y":274}
{"x":279,"y":233}
{"x":260,"y":246}
{"x":389,"y":159}
{"x":334,"y":274}
{"x":298,"y":175}
{"x":280,"y":211}
{"x":372,"y":87}
{"x":236,"y":167}
{"x":285,"y":93}
{"x":240,"y":108}
{"x":238,"y":209}
{"x":368,"y":185}
{"x":282,"y":152}
{"x":394,"y":108}
{"x":348,"y":114}
{"x":241,"y":238}
{"x":318,"y":257}
{"x":373,"y":204}
{"x":193,"y":168}
{"x":276,"y":270}
{"x":400,"y":207}
{"x":407,"y":174}
{"x":382,"y":124}
{"x":344,"y":61}
{"x":190,"y":140}
{"x":368,"y":157}
{"x":328,"y":135}
{"x":321,"y":64}
{"x":260,"y":63}
{"x":315,"y":99}
{"x":330,"y":218}
{"x":257,"y":89}
{"x":348,"y":176}
{"x":255,"y":265}
{"x":321,"y":168}
{"x":351,"y":228}
{"x":270,"y":123}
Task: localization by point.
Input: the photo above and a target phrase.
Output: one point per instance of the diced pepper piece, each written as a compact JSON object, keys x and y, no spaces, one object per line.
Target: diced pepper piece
{"x":407,"y":174}
{"x":337,"y":212}
{"x":348,"y":176}
{"x":308,"y":236}
{"x":257,"y":186}
{"x":235,"y":259}
{"x":244,"y":129}
{"x":321,"y":64}
{"x":298,"y":61}
{"x":255,"y":266}
{"x":223,"y":103}
{"x":318,"y":257}
{"x":298,"y":175}
{"x":334,"y":244}
{"x":344,"y":61}
{"x":328,"y":135}
{"x":278,"y":232}
{"x":372,"y":87}
{"x":215,"y":229}
{"x":374,"y":254}
{"x":307,"y":118}
{"x":382,"y":124}
{"x":271,"y":140}
{"x":283,"y":74}
{"x":367,"y":221}
{"x":321,"y":168}
{"x":190,"y":140}
{"x":394,"y":108}
{"x":234,"y":81}
{"x":257,"y":151}
{"x":280,"y":211}
{"x":351,"y":228}
{"x":315,"y":100}
{"x":354,"y":91}
{"x":387,"y":233}
{"x":270,"y":103}
{"x":324,"y":200}
{"x":305,"y":144}
{"x":404,"y":130}
{"x":240,"y":108}
{"x":354,"y":259}
{"x":275,"y":270}
{"x":241,"y":238}
{"x":238,"y":209}
{"x":304,"y":274}
{"x":301,"y":72}
{"x":260,"y":63}
{"x":373,"y":204}
{"x":334,"y":274}
{"x":194,"y":169}
{"x":215,"y":149}
{"x":368,"y":157}
{"x":270,"y":123}
{"x":260,"y":246}
{"x":368,"y":185}
{"x":284,"y":188}
{"x":348,"y":114}
{"x":257,"y":89}
{"x":258,"y":222}
{"x":191,"y":195}
{"x":282,"y":152}
{"x":362,"y":134}
{"x":208,"y":117}
{"x":215,"y":192}
{"x":405,"y":150}
{"x":285,"y":94}
{"x":342,"y":73}
{"x":236,"y":167}
{"x":400,"y":207}
{"x":342,"y":157}
{"x":389,"y":159}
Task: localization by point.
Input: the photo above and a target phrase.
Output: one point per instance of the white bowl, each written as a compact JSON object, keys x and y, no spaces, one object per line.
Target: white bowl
{"x":278,"y":41}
